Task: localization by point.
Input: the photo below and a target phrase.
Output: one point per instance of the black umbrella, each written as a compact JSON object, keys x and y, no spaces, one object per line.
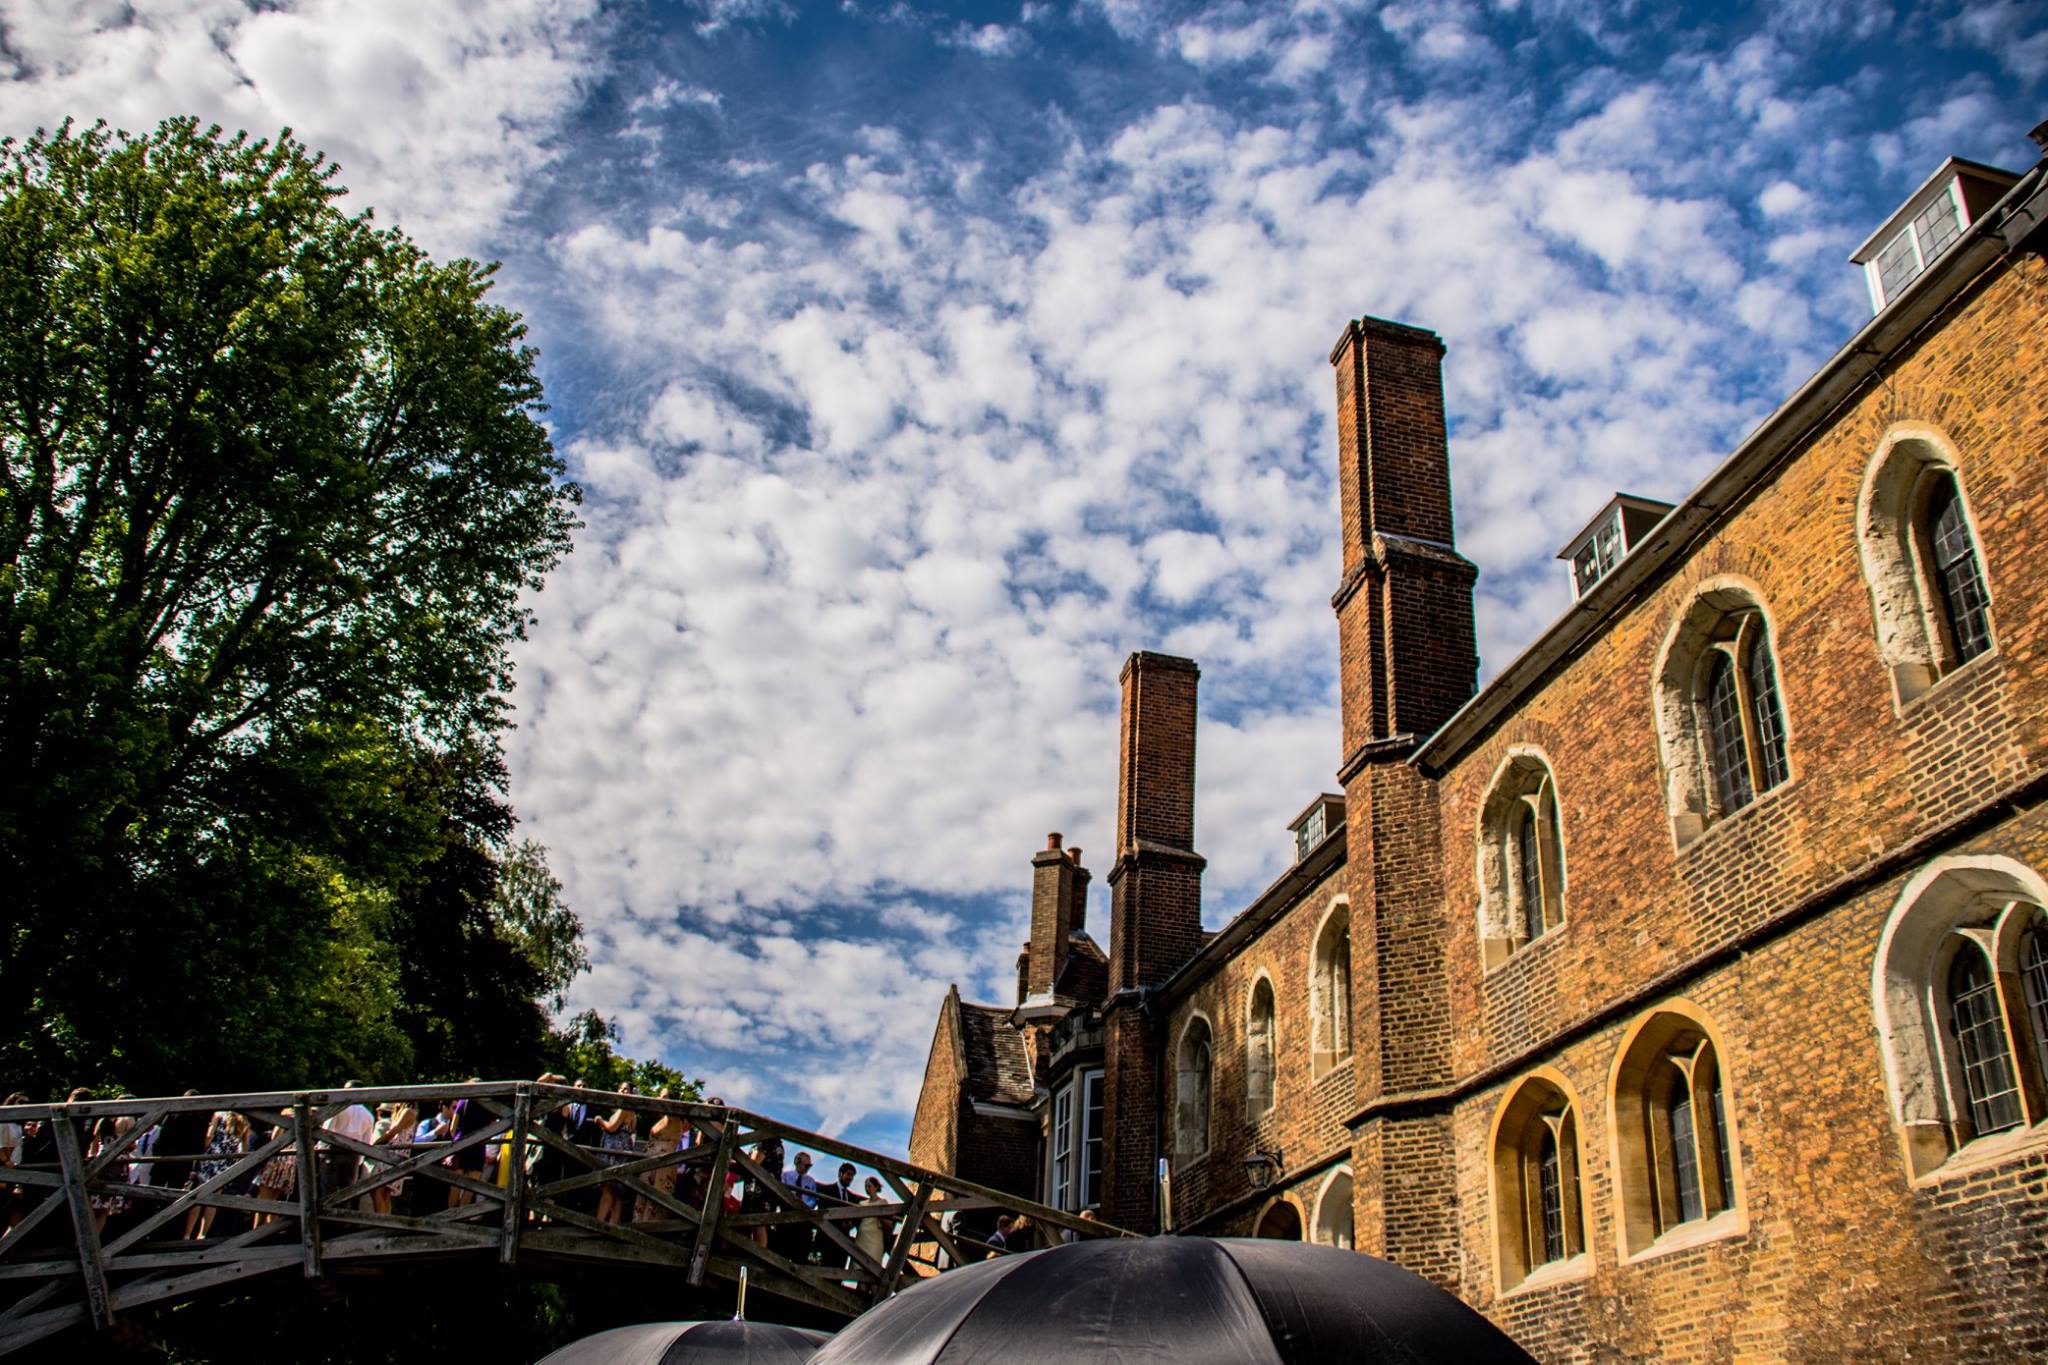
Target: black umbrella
{"x":693,"y":1343}
{"x":1187,"y":1300}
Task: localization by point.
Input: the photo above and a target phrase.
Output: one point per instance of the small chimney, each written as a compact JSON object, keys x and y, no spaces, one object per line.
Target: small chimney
{"x":1052,"y":904}
{"x":1077,"y":919}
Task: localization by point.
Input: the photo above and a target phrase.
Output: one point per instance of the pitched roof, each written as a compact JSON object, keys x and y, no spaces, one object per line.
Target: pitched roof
{"x":998,"y":1064}
{"x":1085,"y":977}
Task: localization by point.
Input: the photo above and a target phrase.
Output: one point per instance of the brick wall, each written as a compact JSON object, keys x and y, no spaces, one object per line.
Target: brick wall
{"x":1844,"y":1253}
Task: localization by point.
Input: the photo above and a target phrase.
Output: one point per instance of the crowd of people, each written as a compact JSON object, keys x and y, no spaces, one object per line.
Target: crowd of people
{"x":191,"y":1149}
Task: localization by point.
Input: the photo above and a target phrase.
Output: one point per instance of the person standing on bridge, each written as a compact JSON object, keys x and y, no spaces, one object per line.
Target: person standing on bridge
{"x":338,"y":1165}
{"x":874,"y":1230}
{"x":612,"y":1203}
{"x":768,"y":1156}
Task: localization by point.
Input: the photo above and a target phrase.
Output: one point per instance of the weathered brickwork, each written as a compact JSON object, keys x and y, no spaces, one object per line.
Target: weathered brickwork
{"x":1864,"y":1219}
{"x":1306,"y":1122}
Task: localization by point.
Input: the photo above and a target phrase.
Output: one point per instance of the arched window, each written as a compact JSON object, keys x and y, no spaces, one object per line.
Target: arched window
{"x":1538,"y":1217}
{"x":1279,"y":1221}
{"x":1951,"y":552}
{"x":1991,"y":1084}
{"x":1672,"y":1125}
{"x":1960,"y":991}
{"x":1330,"y":990}
{"x":1193,"y":1079}
{"x":1720,"y":722}
{"x":1258,"y":1050}
{"x":1922,"y":560}
{"x":1521,"y":857}
{"x":1333,"y":1210}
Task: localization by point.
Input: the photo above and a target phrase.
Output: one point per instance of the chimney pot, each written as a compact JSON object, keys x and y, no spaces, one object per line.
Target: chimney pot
{"x":1074,"y":855}
{"x":1052,"y":841}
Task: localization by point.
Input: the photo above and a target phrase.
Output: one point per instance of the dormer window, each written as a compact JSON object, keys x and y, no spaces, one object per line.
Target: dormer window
{"x":1927,"y":225}
{"x":1313,"y":825}
{"x":1620,"y":526}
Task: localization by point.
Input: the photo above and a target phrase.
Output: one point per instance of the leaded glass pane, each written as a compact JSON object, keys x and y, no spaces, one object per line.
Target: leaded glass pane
{"x":1717,"y":1107}
{"x":2034,"y":981}
{"x":1988,"y":1078}
{"x":1091,"y":1141}
{"x":1897,"y":264}
{"x":1550,"y":1197}
{"x":1765,"y":713}
{"x":1685,"y":1155}
{"x":1937,"y":225}
{"x":1956,"y":573}
{"x":1531,"y":870}
{"x":1726,"y":751}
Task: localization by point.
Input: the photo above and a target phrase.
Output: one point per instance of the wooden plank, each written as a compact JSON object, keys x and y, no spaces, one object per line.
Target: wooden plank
{"x":194,"y":1197}
{"x":793,"y":1199}
{"x":514,"y":1220}
{"x":35,"y":1298}
{"x":98,"y":1308}
{"x":113,"y":1152}
{"x":713,"y":1212}
{"x":305,"y":1127}
{"x":894,"y":1263}
{"x":29,"y":1331}
{"x":18,"y":1235}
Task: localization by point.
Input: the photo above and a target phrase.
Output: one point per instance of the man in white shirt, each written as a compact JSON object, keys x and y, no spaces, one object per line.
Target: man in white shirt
{"x":355,"y":1122}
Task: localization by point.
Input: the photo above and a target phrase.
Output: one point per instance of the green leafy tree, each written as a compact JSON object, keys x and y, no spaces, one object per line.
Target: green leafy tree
{"x":274,"y":486}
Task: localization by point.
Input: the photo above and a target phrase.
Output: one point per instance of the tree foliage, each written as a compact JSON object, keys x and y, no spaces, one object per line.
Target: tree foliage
{"x":275,"y":486}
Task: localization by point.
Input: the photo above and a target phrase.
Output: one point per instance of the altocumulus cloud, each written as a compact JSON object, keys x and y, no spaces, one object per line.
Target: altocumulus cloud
{"x":921,"y":361}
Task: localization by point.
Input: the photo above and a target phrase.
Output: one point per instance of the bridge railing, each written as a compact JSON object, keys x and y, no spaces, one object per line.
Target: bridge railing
{"x":94,"y":1227}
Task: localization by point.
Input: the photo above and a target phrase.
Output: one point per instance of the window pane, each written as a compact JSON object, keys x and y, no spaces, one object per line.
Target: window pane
{"x":1091,"y":1142}
{"x":2034,"y":979}
{"x":1685,"y":1155}
{"x":1956,"y":573}
{"x":1937,"y":226}
{"x":1062,"y":1150}
{"x":1766,"y":714}
{"x":1530,"y":870}
{"x":1897,"y":264}
{"x":1725,"y":749}
{"x":1988,"y":1078}
{"x":1720,"y":1114}
{"x":1550,"y":1197}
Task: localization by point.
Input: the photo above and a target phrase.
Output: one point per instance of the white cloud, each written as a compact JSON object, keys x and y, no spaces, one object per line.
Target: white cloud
{"x":438,"y":114}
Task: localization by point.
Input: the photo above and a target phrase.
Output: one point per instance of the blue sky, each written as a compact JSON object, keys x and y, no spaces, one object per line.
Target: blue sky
{"x":921,"y":361}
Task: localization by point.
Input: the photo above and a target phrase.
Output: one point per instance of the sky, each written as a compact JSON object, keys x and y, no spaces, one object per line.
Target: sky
{"x":920,"y":361}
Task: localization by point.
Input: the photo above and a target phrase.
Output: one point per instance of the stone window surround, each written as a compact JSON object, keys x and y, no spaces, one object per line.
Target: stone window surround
{"x":1189,"y":1145}
{"x":1256,"y":1105}
{"x":1523,"y":774}
{"x":1533,"y":1098}
{"x":1911,"y":633}
{"x":1649,"y":1039}
{"x":1675,"y":702}
{"x":1326,"y":1024}
{"x":1326,"y":1189}
{"x":1992,"y":900}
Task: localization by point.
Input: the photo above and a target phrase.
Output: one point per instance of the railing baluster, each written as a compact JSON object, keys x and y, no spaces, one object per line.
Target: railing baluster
{"x":305,"y":1127}
{"x":514,"y":1214}
{"x":90,"y":1265}
{"x":712,"y":1221}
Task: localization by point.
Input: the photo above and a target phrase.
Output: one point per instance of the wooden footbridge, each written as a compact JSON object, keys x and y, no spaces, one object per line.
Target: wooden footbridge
{"x":93,"y":1235}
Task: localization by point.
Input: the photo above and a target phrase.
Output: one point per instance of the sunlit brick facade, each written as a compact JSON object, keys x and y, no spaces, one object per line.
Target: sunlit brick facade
{"x":1694,"y":988}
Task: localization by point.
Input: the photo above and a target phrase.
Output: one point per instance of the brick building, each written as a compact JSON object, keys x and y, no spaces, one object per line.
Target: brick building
{"x":1681,"y":994}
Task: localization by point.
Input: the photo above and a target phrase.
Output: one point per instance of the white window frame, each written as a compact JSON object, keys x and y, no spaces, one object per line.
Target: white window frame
{"x":1070,"y":1134}
{"x":1911,"y":233}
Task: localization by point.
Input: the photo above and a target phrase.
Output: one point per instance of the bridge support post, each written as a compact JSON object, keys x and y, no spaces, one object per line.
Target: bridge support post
{"x":99,"y":1307}
{"x":711,"y":1218}
{"x":305,"y":1132}
{"x":513,"y":1212}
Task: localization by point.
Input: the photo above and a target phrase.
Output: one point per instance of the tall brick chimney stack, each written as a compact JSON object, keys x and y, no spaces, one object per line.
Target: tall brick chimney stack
{"x":1155,"y":919}
{"x":1156,"y":883}
{"x":1408,"y":651}
{"x":1407,"y":659}
{"x":1053,"y":875}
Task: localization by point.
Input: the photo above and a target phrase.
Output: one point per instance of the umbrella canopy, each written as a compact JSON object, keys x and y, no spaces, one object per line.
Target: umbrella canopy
{"x":1189,"y":1300}
{"x":693,"y":1343}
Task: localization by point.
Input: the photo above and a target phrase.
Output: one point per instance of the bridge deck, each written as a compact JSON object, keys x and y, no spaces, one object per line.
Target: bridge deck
{"x":516,"y":1190}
